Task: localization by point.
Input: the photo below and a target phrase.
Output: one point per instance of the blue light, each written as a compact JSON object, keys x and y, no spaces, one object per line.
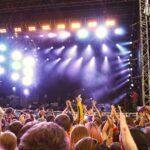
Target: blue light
{"x":119,"y":31}
{"x":82,"y":33}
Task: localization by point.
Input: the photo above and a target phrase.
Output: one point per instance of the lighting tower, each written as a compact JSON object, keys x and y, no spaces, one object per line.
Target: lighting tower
{"x":144,"y":10}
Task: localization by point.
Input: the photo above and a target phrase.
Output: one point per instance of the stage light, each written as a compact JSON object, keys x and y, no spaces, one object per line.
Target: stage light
{"x":41,"y":35}
{"x":59,"y":50}
{"x":26,"y":92}
{"x":82,"y":33}
{"x":15,"y":76}
{"x":110,"y":23}
{"x":105,"y":48}
{"x":3,"y":30}
{"x":131,"y":55}
{"x":126,"y":43}
{"x":132,"y":85}
{"x":27,"y":81}
{"x":75,"y":25}
{"x":2,"y":47}
{"x":119,"y":31}
{"x":27,"y":36}
{"x":71,"y":52}
{"x":16,"y":55}
{"x":2,"y":70}
{"x":16,"y":65}
{"x":129,"y":75}
{"x":29,"y":61}
{"x":45,"y":27}
{"x":92,"y":24}
{"x":51,"y":35}
{"x":2,"y":58}
{"x":14,"y":89}
{"x":17,"y":29}
{"x":131,"y":69}
{"x":32,"y":28}
{"x":28,"y":72}
{"x":101,"y":32}
{"x":61,"y":26}
{"x":122,"y":49}
{"x":64,"y":35}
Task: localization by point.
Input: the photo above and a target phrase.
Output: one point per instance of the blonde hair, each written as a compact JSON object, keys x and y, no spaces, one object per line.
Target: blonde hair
{"x":94,"y":131}
{"x":79,"y":132}
{"x":8,"y":140}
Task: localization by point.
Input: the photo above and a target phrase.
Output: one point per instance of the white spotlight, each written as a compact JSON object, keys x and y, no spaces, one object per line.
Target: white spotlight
{"x":101,"y":32}
{"x":64,"y":35}
{"x":29,"y":61}
{"x":26,"y":92}
{"x":28,"y":72}
{"x":27,"y":81}
{"x":2,"y":47}
{"x":2,"y":70}
{"x":82,"y":33}
{"x":16,"y":55}
{"x":16,"y":65}
{"x":15,"y":76}
{"x":51,"y":35}
{"x":2,"y":58}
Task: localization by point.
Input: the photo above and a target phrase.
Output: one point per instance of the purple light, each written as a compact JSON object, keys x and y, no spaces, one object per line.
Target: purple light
{"x":14,"y":89}
{"x":59,"y":50}
{"x":119,"y":59}
{"x":105,"y":65}
{"x":72,"y":52}
{"x":48,"y":50}
{"x":105,"y":48}
{"x":26,"y":92}
{"x":132,"y":85}
{"x":88,"y":52}
{"x":120,"y":97}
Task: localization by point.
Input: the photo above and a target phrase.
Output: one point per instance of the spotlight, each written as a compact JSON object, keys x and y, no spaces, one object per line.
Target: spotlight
{"x":132,"y":85}
{"x":32,"y":28}
{"x":45,"y":27}
{"x":119,"y":31}
{"x":75,"y":25}
{"x":82,"y":33}
{"x":17,"y":29}
{"x":16,"y":55}
{"x":26,"y":92}
{"x":16,"y":65}
{"x":2,"y":58}
{"x":64,"y":35}
{"x":51,"y":35}
{"x":110,"y":23}
{"x":14,"y":89}
{"x":61,"y":26}
{"x":3,"y":30}
{"x":2,"y":47}
{"x":105,"y":48}
{"x":101,"y":32}
{"x":131,"y":55}
{"x":2,"y":70}
{"x":27,"y":81}
{"x":28,"y":72}
{"x":29,"y":61}
{"x":15,"y":76}
{"x":129,"y":75}
{"x":131,"y":69}
{"x":92,"y":24}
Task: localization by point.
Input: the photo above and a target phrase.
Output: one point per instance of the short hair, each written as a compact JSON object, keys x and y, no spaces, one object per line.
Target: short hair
{"x":139,"y":138}
{"x":64,"y":121}
{"x":87,"y":143}
{"x":50,"y":118}
{"x":78,"y":132}
{"x":15,"y":127}
{"x":44,"y":136}
{"x":115,"y":146}
{"x":8,"y":140}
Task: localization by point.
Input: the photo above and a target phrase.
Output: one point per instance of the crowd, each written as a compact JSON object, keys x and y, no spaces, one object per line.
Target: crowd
{"x":85,"y":129}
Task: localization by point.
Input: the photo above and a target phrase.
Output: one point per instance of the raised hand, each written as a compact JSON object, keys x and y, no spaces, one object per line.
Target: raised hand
{"x":93,"y":103}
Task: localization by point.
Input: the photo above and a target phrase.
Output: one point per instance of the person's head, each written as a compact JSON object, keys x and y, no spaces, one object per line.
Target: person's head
{"x":87,"y":143}
{"x":43,"y":136}
{"x":94,"y":131}
{"x":139,"y":138}
{"x":15,"y":127}
{"x":63,"y":121}
{"x":50,"y":118}
{"x":79,"y":132}
{"x":115,"y":146}
{"x":8,"y":140}
{"x":147,"y":132}
{"x":24,"y":129}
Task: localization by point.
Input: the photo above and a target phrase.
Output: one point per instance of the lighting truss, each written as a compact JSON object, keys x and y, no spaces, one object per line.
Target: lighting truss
{"x":144,"y":51}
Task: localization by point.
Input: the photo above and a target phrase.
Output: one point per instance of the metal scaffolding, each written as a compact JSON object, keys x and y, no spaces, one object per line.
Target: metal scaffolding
{"x":144,"y":50}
